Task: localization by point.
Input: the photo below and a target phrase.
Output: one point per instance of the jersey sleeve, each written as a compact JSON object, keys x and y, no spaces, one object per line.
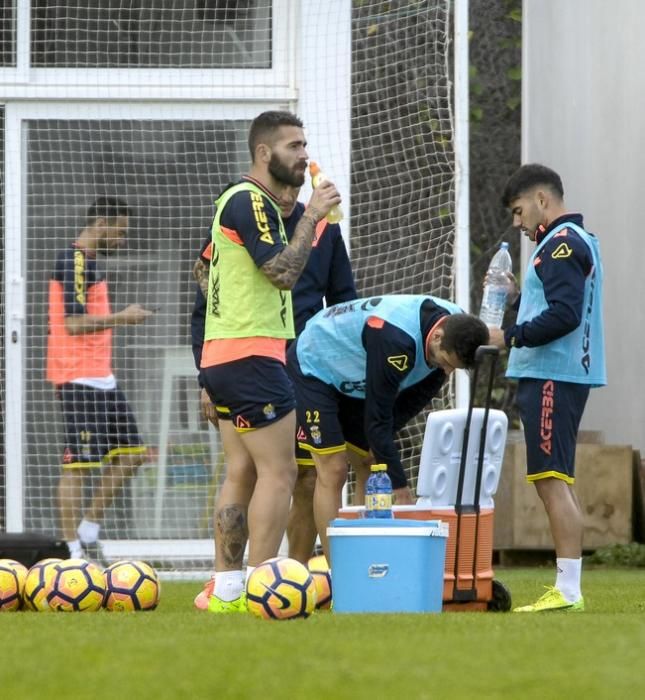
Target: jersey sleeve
{"x":73,"y":274}
{"x":563,"y":266}
{"x":415,"y":398}
{"x":390,"y":357}
{"x":251,"y":219}
{"x":197,"y":326}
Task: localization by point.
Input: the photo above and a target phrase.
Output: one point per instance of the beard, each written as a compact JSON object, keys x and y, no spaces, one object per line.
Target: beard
{"x":285,"y":175}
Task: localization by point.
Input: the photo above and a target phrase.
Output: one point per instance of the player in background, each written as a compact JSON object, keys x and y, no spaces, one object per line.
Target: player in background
{"x":100,"y":429}
{"x":557,"y":355}
{"x":249,"y":319}
{"x":362,"y":370}
{"x":327,"y":276}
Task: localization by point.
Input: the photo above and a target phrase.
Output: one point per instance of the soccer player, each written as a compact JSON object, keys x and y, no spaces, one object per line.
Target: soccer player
{"x":100,"y":429}
{"x":249,"y":318}
{"x":361,"y":370}
{"x":326,"y":276}
{"x":557,"y":355}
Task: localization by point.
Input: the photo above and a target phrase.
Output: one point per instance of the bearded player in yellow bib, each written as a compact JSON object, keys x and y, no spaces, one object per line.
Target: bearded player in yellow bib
{"x":249,"y":319}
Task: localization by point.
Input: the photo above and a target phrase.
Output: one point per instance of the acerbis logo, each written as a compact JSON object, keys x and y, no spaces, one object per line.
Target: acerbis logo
{"x":79,"y":276}
{"x":562,"y":251}
{"x":586,"y":331}
{"x":371,"y":303}
{"x":241,"y":422}
{"x":261,"y":220}
{"x":214,"y":282}
{"x":546,"y":417}
{"x":400,"y":362}
{"x":283,"y":309}
{"x":351,"y":387}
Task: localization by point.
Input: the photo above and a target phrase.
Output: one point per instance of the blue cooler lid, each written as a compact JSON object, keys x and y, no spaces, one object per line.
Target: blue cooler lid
{"x":437,"y":528}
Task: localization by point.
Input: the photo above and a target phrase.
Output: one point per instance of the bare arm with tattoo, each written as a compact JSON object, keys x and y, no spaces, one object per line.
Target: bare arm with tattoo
{"x":284,"y":269}
{"x":200,"y":272}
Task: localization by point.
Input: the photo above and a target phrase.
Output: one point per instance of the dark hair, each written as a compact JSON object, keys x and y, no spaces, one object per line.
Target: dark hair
{"x":107,"y":208}
{"x":526,"y":178}
{"x":264,"y":126}
{"x":463,"y":334}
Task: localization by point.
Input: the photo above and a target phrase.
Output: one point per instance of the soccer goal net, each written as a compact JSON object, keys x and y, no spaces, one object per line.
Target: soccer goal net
{"x":151,"y":103}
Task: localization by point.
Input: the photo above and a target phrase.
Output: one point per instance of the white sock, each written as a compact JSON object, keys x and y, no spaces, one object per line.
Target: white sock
{"x":228,"y":585}
{"x":567,"y":580}
{"x":88,"y":531}
{"x":75,"y":549}
{"x":249,"y":571}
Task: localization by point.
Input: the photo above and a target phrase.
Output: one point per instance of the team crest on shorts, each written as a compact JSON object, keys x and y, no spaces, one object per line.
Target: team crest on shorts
{"x":269,"y":411}
{"x":314,"y":430}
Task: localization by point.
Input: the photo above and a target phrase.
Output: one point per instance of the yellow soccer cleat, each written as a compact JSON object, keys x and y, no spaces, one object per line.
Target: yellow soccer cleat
{"x":217,"y":605}
{"x":553,"y":601}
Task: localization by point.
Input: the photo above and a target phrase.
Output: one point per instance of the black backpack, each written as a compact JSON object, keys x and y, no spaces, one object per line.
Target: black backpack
{"x":30,"y":547}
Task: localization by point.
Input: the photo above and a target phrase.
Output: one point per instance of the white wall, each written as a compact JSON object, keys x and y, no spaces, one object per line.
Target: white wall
{"x":584,"y":116}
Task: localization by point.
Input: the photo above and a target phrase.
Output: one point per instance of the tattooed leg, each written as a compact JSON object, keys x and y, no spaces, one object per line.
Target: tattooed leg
{"x":231,"y":535}
{"x":231,"y":511}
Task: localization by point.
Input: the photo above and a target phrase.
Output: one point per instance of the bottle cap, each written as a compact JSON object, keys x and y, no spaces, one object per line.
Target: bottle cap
{"x":314,"y":168}
{"x":378,"y":467}
{"x":504,"y":244}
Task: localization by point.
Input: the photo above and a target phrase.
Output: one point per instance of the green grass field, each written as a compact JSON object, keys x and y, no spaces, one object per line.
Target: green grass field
{"x":177,"y":652}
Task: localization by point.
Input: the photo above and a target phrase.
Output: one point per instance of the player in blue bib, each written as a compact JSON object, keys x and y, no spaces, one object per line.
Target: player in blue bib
{"x":361,"y":370}
{"x":557,"y":355}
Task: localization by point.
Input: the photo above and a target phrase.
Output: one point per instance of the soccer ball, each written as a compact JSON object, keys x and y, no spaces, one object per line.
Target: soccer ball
{"x":38,"y":585}
{"x":12,"y":583}
{"x":281,"y":589}
{"x":77,"y":586}
{"x":319,"y":570}
{"x":131,"y":585}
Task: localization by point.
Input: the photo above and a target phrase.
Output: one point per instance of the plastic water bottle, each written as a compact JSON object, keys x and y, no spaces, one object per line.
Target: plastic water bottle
{"x":335,"y":214}
{"x":378,"y":493}
{"x":496,"y":288}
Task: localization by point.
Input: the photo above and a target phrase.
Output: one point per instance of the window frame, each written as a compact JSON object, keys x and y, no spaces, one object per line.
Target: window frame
{"x":23,"y":81}
{"x":17,"y":115}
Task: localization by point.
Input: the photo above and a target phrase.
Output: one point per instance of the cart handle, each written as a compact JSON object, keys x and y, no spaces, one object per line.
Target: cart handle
{"x":483,"y":350}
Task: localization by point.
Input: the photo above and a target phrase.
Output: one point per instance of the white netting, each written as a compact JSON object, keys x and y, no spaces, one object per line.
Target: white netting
{"x":169,"y":168}
{"x":167,"y":171}
{"x":403,"y":159}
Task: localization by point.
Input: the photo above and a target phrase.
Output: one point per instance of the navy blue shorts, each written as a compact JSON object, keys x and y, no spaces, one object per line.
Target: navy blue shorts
{"x":551,"y":412}
{"x":99,"y":425}
{"x":303,"y":457}
{"x":327,"y":420}
{"x":252,"y":392}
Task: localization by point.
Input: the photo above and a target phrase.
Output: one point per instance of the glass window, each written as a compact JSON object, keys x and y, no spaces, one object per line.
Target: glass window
{"x":7,"y":33}
{"x":169,"y":172}
{"x":113,"y":34}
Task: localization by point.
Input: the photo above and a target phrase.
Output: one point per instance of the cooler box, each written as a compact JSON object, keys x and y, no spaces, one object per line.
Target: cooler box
{"x":484,"y":543}
{"x":387,"y":566}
